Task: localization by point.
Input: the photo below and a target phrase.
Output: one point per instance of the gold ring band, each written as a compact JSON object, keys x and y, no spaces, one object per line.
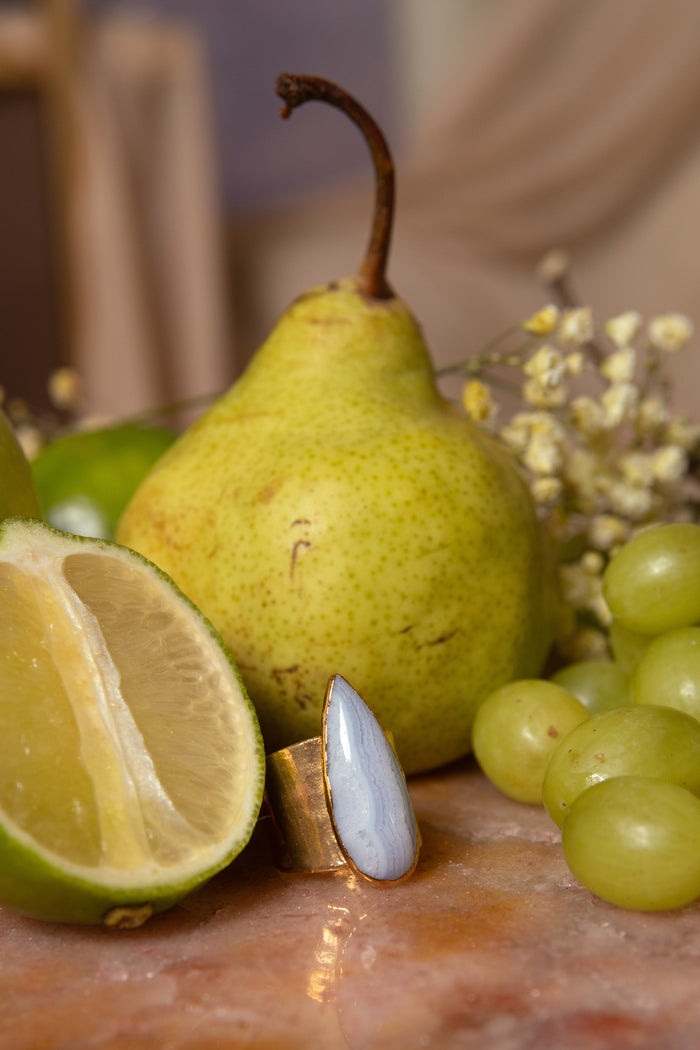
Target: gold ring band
{"x":296,"y":795}
{"x":341,"y":799}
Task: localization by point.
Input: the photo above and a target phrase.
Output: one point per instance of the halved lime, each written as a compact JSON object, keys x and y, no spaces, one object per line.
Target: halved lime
{"x":131,"y":760}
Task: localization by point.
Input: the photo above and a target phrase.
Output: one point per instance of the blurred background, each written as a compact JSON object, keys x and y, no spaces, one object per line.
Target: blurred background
{"x":156,"y":215}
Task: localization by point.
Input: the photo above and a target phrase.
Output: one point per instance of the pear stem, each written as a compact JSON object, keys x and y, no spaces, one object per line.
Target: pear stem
{"x":298,"y":89}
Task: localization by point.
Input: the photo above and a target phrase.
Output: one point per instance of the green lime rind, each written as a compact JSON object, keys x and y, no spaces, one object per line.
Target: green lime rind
{"x":102,"y":466}
{"x":40,"y":884}
{"x":33,"y":886}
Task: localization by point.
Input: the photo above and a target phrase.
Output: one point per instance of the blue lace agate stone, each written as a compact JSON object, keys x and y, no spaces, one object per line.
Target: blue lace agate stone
{"x":369,"y":801}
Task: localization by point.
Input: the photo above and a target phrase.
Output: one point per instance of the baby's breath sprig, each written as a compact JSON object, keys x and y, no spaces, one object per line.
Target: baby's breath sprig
{"x":596,"y":437}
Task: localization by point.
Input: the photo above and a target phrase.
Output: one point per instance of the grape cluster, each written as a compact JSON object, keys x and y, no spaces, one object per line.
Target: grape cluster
{"x":612,"y":748}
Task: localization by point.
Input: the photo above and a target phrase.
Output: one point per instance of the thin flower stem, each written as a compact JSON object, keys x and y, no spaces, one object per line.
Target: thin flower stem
{"x":507,"y":385}
{"x":484,"y":358}
{"x":472,"y":364}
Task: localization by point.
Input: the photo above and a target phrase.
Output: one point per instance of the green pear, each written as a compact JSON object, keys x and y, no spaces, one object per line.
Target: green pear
{"x":333,"y":513}
{"x":17,"y":492}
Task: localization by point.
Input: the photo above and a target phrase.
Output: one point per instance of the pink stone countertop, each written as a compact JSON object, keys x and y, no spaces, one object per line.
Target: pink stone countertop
{"x":491,"y":945}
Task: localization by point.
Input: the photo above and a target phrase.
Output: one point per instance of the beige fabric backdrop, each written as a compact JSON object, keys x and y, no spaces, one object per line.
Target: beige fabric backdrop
{"x":572,"y":124}
{"x":152,"y":309}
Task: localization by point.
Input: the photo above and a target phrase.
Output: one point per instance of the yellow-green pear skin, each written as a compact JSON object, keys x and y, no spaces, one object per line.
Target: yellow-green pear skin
{"x":18,"y":494}
{"x":332,"y":513}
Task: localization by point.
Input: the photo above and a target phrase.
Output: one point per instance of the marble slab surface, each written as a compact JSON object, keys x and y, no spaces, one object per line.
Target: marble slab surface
{"x":491,"y":945}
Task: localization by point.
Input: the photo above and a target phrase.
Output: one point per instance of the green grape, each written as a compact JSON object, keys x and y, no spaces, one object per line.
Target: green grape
{"x":636,"y":740}
{"x":599,"y":684}
{"x":628,"y":646}
{"x":633,"y":841}
{"x":653,"y":584}
{"x":516,"y":729}
{"x":669,"y":672}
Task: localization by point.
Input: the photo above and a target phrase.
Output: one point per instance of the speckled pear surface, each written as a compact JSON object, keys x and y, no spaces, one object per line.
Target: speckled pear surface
{"x":333,"y":514}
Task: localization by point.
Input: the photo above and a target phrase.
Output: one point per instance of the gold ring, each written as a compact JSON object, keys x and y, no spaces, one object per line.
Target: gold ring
{"x":341,"y":799}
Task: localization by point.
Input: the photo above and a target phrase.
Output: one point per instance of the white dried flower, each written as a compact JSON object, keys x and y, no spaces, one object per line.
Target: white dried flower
{"x":636,"y":467}
{"x":669,"y":463}
{"x":576,"y":326}
{"x":619,"y":403}
{"x":573,"y":363}
{"x":545,"y":423}
{"x":652,"y":413}
{"x":670,"y":332}
{"x":631,"y":501}
{"x":546,"y":367}
{"x":477,"y":401}
{"x":681,"y":432}
{"x":543,"y":454}
{"x":546,"y":490}
{"x":543,"y":397}
{"x":607,"y":531}
{"x":592,"y":562}
{"x":619,"y":366}
{"x":588,"y":482}
{"x":517,"y":432}
{"x":600,"y":465}
{"x":543,"y":322}
{"x":587,"y":415}
{"x":516,"y":435}
{"x":623,"y":328}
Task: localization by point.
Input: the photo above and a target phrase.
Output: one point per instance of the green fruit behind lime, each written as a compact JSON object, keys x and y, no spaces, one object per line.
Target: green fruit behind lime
{"x":85,"y":479}
{"x":17,"y":492}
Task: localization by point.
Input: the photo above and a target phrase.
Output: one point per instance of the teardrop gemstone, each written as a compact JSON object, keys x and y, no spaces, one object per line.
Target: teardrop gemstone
{"x":369,"y":802}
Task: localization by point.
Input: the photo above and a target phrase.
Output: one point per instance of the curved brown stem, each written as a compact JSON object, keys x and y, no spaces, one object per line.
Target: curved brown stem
{"x":298,"y":89}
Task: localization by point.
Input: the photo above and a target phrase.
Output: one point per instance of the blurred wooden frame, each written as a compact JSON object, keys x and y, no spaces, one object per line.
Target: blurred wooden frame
{"x":38,"y":53}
